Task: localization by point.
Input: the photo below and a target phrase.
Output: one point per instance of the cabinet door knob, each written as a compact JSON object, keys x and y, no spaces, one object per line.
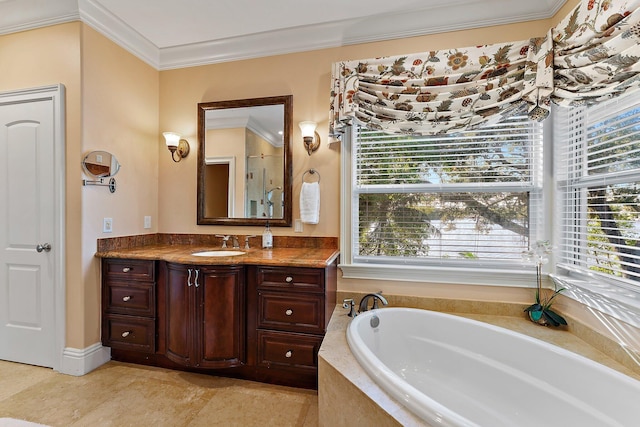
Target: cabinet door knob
{"x":288,"y":279}
{"x":289,"y":312}
{"x":126,"y":269}
{"x":288,"y":354}
{"x":126,"y":298}
{"x":126,"y":334}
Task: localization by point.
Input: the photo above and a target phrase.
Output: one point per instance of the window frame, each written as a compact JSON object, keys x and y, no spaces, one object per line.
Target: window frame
{"x":599,"y":291}
{"x":518,"y":274}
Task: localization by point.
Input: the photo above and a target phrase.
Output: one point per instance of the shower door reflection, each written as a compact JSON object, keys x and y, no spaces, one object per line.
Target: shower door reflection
{"x":263,"y":192}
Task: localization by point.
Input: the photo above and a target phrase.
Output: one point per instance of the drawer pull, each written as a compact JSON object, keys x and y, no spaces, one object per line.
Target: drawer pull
{"x":126,"y":298}
{"x":189,"y":278}
{"x":288,"y":279}
{"x":126,"y":269}
{"x":289,"y":312}
{"x":126,"y":334}
{"x":288,"y":354}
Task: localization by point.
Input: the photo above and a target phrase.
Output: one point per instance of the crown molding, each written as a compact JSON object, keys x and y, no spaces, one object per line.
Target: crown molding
{"x":25,"y":24}
{"x":353,"y":31}
{"x":112,"y":27}
{"x":367,"y":29}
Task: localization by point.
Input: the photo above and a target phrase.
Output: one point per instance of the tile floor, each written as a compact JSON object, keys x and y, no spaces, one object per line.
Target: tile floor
{"x":120,"y":394}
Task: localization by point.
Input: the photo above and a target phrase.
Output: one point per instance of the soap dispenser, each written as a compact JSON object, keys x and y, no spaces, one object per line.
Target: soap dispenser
{"x":267,"y":238}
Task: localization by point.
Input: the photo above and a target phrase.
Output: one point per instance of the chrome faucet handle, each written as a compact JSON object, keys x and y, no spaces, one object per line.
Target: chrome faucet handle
{"x":349,"y":303}
{"x":225,"y":239}
{"x":246,"y":241}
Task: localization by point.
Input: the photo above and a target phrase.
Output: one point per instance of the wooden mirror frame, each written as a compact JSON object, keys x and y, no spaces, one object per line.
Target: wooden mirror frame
{"x":203,"y":107}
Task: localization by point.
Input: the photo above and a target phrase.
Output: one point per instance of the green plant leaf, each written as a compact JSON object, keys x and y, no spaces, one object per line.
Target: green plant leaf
{"x":550,"y":319}
{"x":534,"y":307}
{"x":556,"y":317}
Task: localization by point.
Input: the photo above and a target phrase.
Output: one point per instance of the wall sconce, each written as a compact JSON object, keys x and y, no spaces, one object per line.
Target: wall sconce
{"x":310,"y":136}
{"x":176,"y":144}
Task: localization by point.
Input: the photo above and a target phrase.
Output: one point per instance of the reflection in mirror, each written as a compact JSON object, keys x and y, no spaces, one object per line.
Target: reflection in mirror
{"x":244,"y":161}
{"x":100,"y":164}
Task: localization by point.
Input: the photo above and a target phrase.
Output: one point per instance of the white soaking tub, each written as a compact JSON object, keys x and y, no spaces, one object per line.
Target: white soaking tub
{"x":453,"y":371}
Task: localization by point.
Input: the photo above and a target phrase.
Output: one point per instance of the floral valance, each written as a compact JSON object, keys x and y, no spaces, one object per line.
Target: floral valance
{"x":432,"y":92}
{"x":592,"y":55}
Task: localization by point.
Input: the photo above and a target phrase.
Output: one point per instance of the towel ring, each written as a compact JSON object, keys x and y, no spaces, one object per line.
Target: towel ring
{"x":312,"y":172}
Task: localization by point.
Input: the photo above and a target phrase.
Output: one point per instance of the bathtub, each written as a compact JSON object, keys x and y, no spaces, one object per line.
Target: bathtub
{"x":452,"y":371}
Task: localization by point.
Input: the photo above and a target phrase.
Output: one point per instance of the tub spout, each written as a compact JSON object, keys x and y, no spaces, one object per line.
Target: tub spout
{"x":365,"y":301}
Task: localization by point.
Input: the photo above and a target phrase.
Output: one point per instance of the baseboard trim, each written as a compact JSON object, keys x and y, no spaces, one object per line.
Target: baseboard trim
{"x":78,"y":362}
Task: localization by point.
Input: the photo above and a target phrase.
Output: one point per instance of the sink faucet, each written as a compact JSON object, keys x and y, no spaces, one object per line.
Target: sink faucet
{"x":225,"y":239}
{"x":246,"y":241}
{"x":236,"y":244}
{"x":365,"y":301}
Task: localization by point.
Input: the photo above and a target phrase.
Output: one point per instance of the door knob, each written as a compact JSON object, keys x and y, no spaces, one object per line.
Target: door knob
{"x":46,"y":247}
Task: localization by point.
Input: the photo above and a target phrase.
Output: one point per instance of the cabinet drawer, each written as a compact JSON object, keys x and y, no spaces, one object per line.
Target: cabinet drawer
{"x":300,"y":312}
{"x":129,"y":269}
{"x":288,"y":350}
{"x":129,"y":333}
{"x":130,"y":298}
{"x":303,"y":279}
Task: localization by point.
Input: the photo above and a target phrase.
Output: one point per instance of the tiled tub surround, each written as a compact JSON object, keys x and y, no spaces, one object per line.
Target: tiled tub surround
{"x":348,"y":396}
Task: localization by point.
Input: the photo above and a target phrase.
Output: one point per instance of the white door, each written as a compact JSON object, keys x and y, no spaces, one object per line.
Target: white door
{"x":28,"y":235}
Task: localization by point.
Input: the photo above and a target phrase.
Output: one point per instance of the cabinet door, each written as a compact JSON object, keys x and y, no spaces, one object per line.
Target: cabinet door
{"x":179,"y":303}
{"x":220,"y":318}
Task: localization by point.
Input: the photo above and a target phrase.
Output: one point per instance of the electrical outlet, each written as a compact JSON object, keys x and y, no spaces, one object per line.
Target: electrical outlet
{"x":297,"y":226}
{"x":107,"y":225}
{"x":147,"y":222}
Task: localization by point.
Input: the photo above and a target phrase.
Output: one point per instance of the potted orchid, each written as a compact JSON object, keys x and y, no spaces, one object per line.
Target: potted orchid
{"x":541,"y":312}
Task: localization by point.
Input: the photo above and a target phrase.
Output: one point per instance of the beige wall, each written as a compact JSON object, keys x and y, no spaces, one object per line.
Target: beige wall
{"x":111,"y":104}
{"x":307,"y":77}
{"x":120,"y":104}
{"x":117,"y":103}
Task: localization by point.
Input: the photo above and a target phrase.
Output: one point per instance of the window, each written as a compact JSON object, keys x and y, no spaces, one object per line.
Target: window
{"x":468,"y":199}
{"x":598,"y":175}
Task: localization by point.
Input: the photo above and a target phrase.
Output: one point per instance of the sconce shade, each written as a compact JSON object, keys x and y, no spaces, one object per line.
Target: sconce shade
{"x":307,"y":128}
{"x":310,"y":137}
{"x":176,"y":144}
{"x":172,"y":139}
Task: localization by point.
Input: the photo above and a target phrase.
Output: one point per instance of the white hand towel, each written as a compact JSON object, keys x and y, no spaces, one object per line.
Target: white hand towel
{"x":310,"y":202}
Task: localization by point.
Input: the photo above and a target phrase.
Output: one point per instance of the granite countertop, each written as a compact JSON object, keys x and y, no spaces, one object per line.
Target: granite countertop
{"x":181,"y":253}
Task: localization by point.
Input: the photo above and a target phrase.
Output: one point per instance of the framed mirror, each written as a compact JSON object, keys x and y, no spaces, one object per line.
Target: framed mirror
{"x":244,"y":161}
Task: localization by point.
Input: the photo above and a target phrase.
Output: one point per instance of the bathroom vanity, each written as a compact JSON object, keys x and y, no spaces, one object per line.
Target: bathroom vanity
{"x":260,"y":316}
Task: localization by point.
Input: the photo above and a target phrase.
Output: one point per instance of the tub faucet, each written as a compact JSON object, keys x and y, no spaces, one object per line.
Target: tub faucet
{"x":348,"y":303}
{"x":365,"y":301}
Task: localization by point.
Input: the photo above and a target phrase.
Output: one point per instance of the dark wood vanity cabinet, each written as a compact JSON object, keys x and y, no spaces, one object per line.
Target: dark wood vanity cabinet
{"x":129,"y":304}
{"x":204,"y":314}
{"x":292,"y":307}
{"x":263,"y":323}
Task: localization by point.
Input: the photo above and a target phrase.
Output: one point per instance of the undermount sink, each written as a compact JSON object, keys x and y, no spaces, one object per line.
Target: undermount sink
{"x":218,"y":253}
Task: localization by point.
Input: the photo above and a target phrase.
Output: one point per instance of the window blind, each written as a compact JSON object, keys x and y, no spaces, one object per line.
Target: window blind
{"x":464,"y":196}
{"x":598,"y":169}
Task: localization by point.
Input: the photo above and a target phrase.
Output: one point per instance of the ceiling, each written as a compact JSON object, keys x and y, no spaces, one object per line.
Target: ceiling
{"x":172,"y":34}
